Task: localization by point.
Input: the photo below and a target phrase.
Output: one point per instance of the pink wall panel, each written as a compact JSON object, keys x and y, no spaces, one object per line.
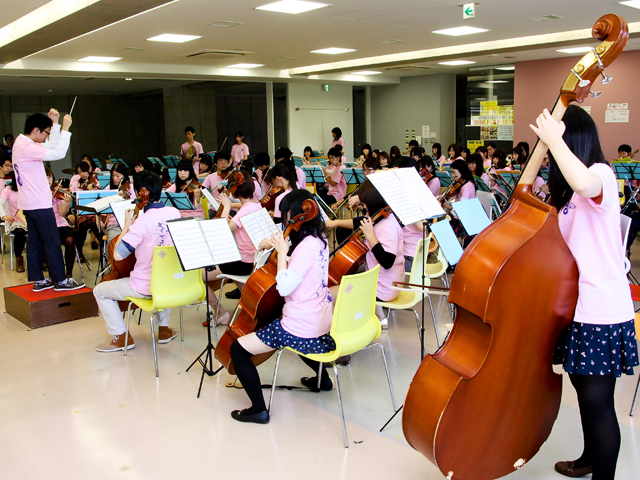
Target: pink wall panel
{"x":537,"y":85}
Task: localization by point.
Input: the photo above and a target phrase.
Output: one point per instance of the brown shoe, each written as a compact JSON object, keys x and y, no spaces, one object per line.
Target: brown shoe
{"x":116,"y":344}
{"x":166,"y":334}
{"x":20,"y":264}
{"x":568,"y":470}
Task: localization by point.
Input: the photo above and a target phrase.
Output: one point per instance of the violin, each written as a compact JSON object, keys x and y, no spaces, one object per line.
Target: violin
{"x":350,"y":255}
{"x":260,"y":303}
{"x":191,"y":186}
{"x":125,"y":188}
{"x":58,"y":192}
{"x":452,"y":190}
{"x":238,"y":179}
{"x":92,"y":180}
{"x":269,"y":199}
{"x":493,"y":377}
{"x":123,"y":268}
{"x":426,"y":175}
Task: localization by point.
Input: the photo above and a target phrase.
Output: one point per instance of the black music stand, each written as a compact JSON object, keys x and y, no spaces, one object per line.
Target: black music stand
{"x":314,"y":174}
{"x":353,"y":176}
{"x":177,"y":200}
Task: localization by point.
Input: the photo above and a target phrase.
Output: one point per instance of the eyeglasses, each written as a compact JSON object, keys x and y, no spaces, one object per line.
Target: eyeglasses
{"x":48,"y":132}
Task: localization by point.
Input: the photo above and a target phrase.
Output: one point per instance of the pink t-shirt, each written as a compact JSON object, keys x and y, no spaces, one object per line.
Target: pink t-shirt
{"x":592,"y":233}
{"x":239,"y":152}
{"x":276,"y":206}
{"x":146,"y":233}
{"x":11,"y":198}
{"x":74,"y":183}
{"x":337,"y":191}
{"x":389,"y":234}
{"x":467,"y":192}
{"x":307,"y":311}
{"x":34,"y":192}
{"x":411,"y":235}
{"x":434,"y":185}
{"x":302,"y":178}
{"x":185,"y":147}
{"x":247,"y":250}
{"x":112,"y":218}
{"x":60,"y":220}
{"x":211,"y":182}
{"x":487,"y":163}
{"x":198,"y":212}
{"x":340,"y":142}
{"x":257,"y":190}
{"x":537,"y":185}
{"x":485,"y":178}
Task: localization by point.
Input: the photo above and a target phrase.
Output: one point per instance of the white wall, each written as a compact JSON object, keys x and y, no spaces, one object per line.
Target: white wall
{"x":313,"y":113}
{"x":416,"y":101}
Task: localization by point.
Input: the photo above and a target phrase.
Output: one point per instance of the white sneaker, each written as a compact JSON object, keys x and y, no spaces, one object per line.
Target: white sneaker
{"x":384,"y":323}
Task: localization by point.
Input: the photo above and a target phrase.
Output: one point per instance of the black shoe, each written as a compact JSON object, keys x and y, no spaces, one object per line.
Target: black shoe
{"x":233,"y":294}
{"x":94,"y":245}
{"x":344,"y":360}
{"x":312,"y":384}
{"x":568,"y":470}
{"x":68,"y":284}
{"x":43,"y":285}
{"x":261,"y":417}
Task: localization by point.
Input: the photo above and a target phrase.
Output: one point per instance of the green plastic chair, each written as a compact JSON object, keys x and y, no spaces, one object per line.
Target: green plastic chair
{"x":171,"y":287}
{"x":353,"y":328}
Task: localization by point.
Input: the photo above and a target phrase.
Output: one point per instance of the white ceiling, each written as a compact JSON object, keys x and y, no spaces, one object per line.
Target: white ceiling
{"x":282,"y":42}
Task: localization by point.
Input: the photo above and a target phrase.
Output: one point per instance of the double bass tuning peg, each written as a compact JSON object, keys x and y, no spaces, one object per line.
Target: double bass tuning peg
{"x":581,"y":81}
{"x":595,"y":94}
{"x":605,"y":78}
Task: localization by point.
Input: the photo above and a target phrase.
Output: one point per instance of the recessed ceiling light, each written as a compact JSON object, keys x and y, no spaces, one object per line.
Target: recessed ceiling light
{"x":457,"y":31}
{"x":631,"y":3}
{"x":292,"y":6}
{"x":496,"y":81}
{"x":173,"y":38}
{"x":128,"y":79}
{"x":99,"y":59}
{"x":575,"y":50}
{"x":506,"y":68}
{"x":456,"y":62}
{"x":333,"y":51}
{"x":366,"y":72}
{"x":226,"y":24}
{"x":246,"y":65}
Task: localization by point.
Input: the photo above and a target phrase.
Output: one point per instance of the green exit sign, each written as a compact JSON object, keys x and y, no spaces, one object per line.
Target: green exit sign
{"x":325,"y":87}
{"x":468,"y":10}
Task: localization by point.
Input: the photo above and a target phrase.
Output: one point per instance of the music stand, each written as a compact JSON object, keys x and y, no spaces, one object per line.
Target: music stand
{"x":353,"y":175}
{"x":445,"y":178}
{"x":314,"y":175}
{"x":628,"y":171}
{"x":483,"y":187}
{"x":177,"y":200}
{"x":104,"y":179}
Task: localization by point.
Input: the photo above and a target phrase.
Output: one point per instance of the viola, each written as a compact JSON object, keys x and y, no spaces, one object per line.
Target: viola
{"x":260,"y":303}
{"x":123,"y":268}
{"x":191,"y":186}
{"x":425,"y":174}
{"x":125,"y":188}
{"x":269,"y":199}
{"x":238,"y":179}
{"x":493,"y":377}
{"x":92,"y":180}
{"x":350,"y":255}
{"x":58,"y":192}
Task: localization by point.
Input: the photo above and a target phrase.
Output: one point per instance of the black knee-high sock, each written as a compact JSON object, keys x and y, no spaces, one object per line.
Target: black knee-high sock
{"x":599,"y":424}
{"x":313,"y":365}
{"x":248,"y":376}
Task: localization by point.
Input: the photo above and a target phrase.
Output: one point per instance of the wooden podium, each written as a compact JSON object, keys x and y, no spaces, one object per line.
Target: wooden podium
{"x":40,"y":309}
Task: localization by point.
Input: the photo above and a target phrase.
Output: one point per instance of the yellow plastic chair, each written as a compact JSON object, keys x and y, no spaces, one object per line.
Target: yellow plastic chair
{"x":171,"y":287}
{"x":353,"y":328}
{"x":410,"y":296}
{"x":635,"y":395}
{"x":205,"y":207}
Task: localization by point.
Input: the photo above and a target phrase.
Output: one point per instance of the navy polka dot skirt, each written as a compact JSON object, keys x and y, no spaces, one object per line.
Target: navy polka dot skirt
{"x":277,"y":337}
{"x":588,"y":349}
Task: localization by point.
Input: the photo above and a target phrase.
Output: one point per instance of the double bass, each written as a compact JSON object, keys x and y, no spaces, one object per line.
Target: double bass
{"x":260,"y":303}
{"x":483,"y":405}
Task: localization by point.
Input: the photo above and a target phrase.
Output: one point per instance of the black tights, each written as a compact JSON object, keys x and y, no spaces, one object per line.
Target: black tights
{"x":69,"y":254}
{"x":248,"y":375}
{"x":19,"y":241}
{"x":599,"y":424}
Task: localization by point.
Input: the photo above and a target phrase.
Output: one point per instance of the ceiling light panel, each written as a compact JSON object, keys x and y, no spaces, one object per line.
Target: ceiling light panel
{"x":173,"y":38}
{"x":100,"y":59}
{"x":631,"y":3}
{"x":575,"y":50}
{"x":366,"y":72}
{"x":226,"y":24}
{"x":496,"y":81}
{"x":292,"y":7}
{"x":458,"y":31}
{"x":455,"y":63}
{"x":246,"y":65}
{"x":333,"y":51}
{"x":506,"y":69}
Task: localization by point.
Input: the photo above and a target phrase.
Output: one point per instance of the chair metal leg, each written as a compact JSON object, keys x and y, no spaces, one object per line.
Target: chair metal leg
{"x":11,"y":249}
{"x":275,"y":377}
{"x":153,"y":342}
{"x":433,"y":318}
{"x":635,"y":398}
{"x":126,"y":338}
{"x":319,"y":374}
{"x":417,"y":321}
{"x":344,"y":425}
{"x":386,"y":369}
{"x":181,"y":327}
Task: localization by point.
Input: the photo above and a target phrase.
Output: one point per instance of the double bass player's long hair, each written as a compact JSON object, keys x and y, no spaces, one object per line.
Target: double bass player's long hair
{"x":291,"y":206}
{"x":581,"y":136}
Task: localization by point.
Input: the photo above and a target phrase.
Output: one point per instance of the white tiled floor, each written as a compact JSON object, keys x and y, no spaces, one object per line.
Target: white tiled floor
{"x":69,"y":412}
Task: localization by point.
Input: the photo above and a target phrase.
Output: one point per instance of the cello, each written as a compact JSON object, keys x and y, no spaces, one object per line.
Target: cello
{"x":260,"y":303}
{"x":492,"y":380}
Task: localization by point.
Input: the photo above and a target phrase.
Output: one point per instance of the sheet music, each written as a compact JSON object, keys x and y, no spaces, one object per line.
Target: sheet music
{"x":119,"y":207}
{"x":190,"y":243}
{"x":220,"y":239}
{"x":419,"y":192}
{"x":258,"y":225}
{"x":213,"y":204}
{"x":394,"y":192}
{"x":104,"y":202}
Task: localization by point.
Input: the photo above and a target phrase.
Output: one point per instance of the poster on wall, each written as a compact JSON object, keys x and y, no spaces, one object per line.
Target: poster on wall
{"x":489,"y":133}
{"x":492,"y":114}
{"x":473,"y":144}
{"x":617,"y":113}
{"x":425,"y":131}
{"x":505,"y":132}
